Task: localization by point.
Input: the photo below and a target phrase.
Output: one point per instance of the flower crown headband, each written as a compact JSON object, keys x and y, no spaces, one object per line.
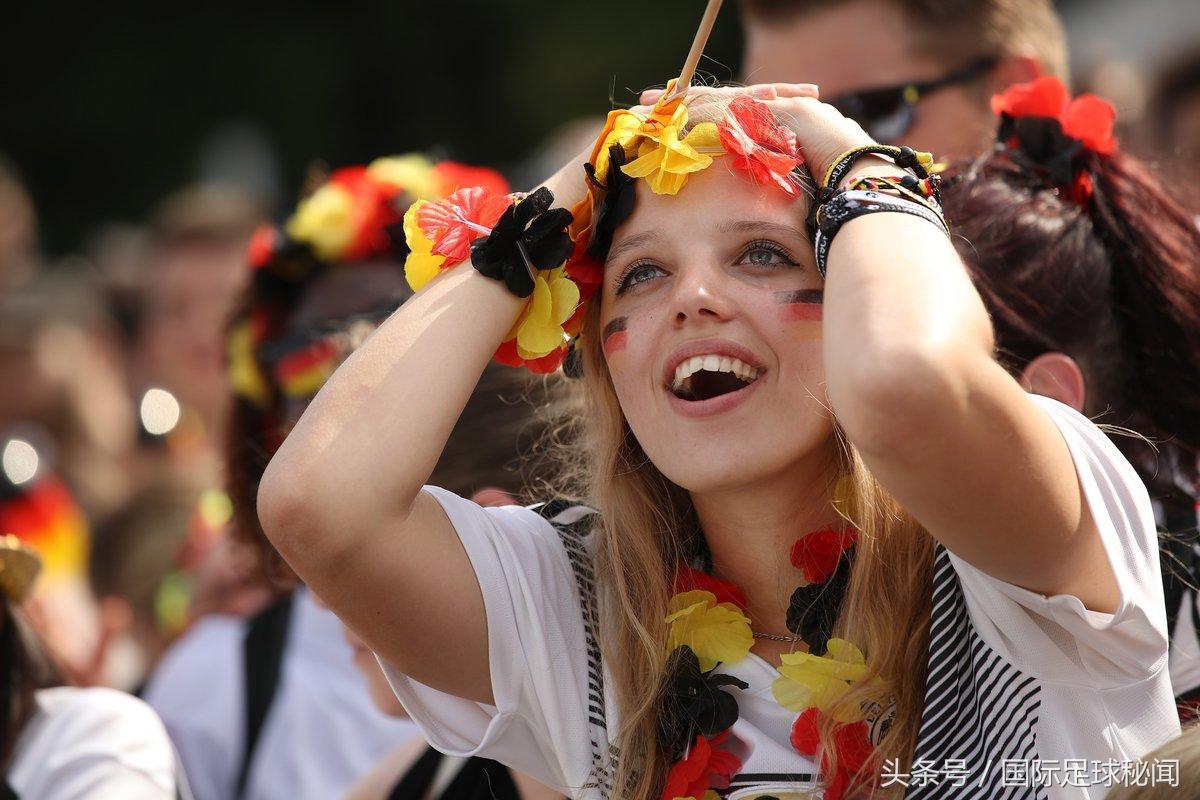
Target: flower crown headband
{"x":353,"y":215}
{"x":556,"y":257}
{"x":1058,"y":136}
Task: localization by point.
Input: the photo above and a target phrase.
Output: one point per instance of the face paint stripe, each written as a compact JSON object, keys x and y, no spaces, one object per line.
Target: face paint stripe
{"x":615,"y":336}
{"x":803,"y":305}
{"x":811,"y":296}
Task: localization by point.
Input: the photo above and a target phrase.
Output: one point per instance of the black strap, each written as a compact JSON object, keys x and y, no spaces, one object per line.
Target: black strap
{"x":477,"y":779}
{"x":262,"y":656}
{"x":7,"y":792}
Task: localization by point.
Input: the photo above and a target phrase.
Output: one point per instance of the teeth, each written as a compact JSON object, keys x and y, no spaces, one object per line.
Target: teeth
{"x":714,"y":363}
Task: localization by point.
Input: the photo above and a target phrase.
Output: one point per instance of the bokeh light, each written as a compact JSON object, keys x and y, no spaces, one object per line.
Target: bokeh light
{"x":159,"y":411}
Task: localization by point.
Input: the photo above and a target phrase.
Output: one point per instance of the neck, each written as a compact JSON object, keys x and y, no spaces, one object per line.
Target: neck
{"x":750,"y":531}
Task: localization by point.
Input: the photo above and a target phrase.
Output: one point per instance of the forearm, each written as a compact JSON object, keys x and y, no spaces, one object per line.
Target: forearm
{"x":905,"y":331}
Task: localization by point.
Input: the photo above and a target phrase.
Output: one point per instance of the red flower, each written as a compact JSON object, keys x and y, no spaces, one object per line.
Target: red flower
{"x":261,"y":249}
{"x":587,"y":272}
{"x":507,"y":355}
{"x":452,"y":224}
{"x":1088,"y":119}
{"x":816,"y":554}
{"x":758,"y":145}
{"x":452,"y":176}
{"x":705,"y":767}
{"x":850,"y":741}
{"x":373,"y":212}
{"x":687,"y":579}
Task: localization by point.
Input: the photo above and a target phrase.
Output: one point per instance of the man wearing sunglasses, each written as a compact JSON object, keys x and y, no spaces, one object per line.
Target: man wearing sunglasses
{"x":915,"y":72}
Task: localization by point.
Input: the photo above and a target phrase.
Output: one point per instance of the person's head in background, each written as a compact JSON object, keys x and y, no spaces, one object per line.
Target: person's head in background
{"x":193,"y":277}
{"x":320,"y":284}
{"x":913,"y":72}
{"x":1174,"y":119}
{"x":41,"y":514}
{"x":1088,"y":267}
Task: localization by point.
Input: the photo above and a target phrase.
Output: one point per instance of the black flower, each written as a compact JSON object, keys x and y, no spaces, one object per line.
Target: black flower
{"x":529,"y":226}
{"x":694,"y":702}
{"x":616,"y":205}
{"x":814,"y":609}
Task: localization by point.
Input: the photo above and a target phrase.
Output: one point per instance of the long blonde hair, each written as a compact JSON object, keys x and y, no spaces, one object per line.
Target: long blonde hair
{"x":648,"y":524}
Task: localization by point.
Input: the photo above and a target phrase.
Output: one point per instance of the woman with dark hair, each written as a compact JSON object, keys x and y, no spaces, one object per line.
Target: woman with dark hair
{"x":1090,"y":270}
{"x":62,"y":742}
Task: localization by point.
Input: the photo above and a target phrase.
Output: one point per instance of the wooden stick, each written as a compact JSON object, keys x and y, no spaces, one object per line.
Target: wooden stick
{"x":693,"y":56}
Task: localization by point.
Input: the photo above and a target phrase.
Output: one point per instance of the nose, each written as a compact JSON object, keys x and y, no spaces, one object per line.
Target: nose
{"x":698,"y":294}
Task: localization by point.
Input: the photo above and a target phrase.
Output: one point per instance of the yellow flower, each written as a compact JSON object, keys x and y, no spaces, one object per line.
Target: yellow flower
{"x":412,"y":172}
{"x":665,"y":160}
{"x":422,"y":263}
{"x":806,"y":680}
{"x":539,"y":329}
{"x":324,"y":220}
{"x":716,"y":632}
{"x":621,"y":127}
{"x":245,"y":376}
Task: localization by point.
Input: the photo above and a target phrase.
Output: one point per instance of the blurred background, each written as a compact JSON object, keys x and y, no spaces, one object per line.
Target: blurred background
{"x":139,"y":148}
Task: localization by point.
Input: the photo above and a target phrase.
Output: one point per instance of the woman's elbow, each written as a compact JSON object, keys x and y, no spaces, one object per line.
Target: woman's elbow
{"x":286,"y":506}
{"x":892,"y":397}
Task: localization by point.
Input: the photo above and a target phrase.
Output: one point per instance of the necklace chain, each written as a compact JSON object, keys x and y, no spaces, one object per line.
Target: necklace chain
{"x":775,"y":637}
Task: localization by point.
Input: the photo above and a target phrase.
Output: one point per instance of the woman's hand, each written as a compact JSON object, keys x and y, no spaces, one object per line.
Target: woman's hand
{"x":822,"y":133}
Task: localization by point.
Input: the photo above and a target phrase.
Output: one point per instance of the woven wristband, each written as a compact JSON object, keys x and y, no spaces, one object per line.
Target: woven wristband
{"x":851,"y":204}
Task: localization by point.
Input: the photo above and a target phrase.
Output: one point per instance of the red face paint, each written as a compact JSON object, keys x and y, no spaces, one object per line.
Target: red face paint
{"x":615,"y":336}
{"x":802,"y":305}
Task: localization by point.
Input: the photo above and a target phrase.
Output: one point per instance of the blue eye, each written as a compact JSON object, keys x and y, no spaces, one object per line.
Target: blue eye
{"x":638,"y":272}
{"x":767,"y":254}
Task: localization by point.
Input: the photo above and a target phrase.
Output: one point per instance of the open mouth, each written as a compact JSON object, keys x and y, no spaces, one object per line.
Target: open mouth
{"x":708,"y":376}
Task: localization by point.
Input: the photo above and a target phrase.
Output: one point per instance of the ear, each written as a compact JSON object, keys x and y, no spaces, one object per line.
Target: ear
{"x":1056,"y":375}
{"x":1013,"y":69}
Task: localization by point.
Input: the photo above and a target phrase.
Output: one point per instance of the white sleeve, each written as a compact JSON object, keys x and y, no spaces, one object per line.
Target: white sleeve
{"x":1057,"y":638}
{"x":536,"y":646}
{"x":97,"y":743}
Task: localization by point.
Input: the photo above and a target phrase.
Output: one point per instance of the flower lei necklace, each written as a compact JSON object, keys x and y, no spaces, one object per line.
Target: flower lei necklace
{"x":709,"y":627}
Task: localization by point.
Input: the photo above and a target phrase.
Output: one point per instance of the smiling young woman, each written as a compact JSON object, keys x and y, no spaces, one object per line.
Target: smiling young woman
{"x":826,"y":534}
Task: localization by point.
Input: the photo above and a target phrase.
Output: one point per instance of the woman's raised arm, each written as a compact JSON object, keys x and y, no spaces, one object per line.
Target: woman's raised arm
{"x":912,"y":380}
{"x":341,"y":499}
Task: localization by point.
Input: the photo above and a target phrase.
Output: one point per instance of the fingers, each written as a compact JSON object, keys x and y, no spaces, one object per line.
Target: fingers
{"x":765,"y":91}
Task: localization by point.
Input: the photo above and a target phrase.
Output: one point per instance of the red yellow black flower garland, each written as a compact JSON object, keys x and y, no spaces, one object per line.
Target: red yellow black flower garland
{"x":708,"y":627}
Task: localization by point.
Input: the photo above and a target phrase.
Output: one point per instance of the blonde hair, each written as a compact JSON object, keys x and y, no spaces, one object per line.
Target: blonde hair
{"x":648,"y":524}
{"x":1185,"y":749}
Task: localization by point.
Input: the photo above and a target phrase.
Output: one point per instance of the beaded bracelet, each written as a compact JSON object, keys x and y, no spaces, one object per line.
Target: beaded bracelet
{"x":921,"y":190}
{"x":851,"y":204}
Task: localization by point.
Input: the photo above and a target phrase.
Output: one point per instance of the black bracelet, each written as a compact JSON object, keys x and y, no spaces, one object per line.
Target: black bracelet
{"x":905,"y":158}
{"x":528,"y":237}
{"x":848,"y":205}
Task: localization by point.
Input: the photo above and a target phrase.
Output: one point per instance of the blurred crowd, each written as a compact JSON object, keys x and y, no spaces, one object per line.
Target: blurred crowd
{"x":120,"y":412}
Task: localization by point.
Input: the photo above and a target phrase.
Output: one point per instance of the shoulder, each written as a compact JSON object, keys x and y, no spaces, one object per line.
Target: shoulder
{"x":101,"y":720}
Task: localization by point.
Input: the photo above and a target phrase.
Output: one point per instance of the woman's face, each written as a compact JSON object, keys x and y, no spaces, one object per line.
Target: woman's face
{"x":711,"y":328}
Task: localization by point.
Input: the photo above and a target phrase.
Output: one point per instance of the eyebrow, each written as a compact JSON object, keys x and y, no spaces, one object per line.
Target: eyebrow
{"x":629,"y":243}
{"x":762,"y":226}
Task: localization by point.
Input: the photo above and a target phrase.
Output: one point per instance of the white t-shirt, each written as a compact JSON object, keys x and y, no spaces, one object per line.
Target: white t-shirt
{"x":321,"y":733}
{"x":90,"y":743}
{"x":1041,"y":677}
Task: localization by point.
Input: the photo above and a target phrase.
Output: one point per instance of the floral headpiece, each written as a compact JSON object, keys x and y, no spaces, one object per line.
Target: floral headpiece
{"x":1060,"y":136}
{"x":354,"y":215}
{"x":565,"y":252}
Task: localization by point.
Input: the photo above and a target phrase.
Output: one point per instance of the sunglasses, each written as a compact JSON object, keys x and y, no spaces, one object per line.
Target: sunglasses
{"x":889,"y":112}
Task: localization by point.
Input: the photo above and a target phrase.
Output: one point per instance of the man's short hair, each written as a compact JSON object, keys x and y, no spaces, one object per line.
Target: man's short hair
{"x":957,"y":31}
